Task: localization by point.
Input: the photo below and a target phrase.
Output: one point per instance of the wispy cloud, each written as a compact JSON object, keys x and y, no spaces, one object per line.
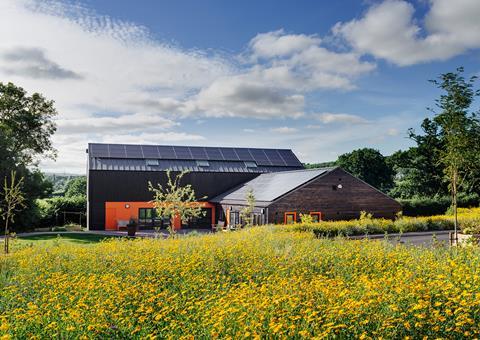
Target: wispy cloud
{"x":343,"y":118}
{"x":284,"y":129}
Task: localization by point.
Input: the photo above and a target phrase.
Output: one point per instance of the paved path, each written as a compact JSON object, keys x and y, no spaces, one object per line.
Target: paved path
{"x":427,"y":238}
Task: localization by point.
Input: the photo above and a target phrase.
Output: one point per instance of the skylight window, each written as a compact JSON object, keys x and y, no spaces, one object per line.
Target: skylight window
{"x":203,"y":163}
{"x":250,"y":164}
{"x":152,"y":162}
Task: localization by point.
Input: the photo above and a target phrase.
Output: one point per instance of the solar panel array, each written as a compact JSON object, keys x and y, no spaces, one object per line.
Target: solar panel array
{"x":263,"y":157}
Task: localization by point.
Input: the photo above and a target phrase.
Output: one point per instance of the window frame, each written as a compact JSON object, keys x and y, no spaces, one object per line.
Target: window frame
{"x":294,"y":213}
{"x":316,"y":213}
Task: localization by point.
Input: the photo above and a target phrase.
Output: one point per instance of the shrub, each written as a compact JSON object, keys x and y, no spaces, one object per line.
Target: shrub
{"x":469,"y":221}
{"x":50,"y":210}
{"x":427,"y":206}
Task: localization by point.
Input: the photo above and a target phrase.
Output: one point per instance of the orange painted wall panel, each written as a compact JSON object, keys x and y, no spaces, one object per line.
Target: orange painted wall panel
{"x":123,"y":211}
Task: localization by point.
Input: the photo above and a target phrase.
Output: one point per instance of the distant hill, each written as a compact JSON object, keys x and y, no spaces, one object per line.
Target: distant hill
{"x":319,"y":165}
{"x":59,"y":181}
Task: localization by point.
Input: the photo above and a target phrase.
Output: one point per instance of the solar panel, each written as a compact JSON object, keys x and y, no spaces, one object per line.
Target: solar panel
{"x":229,"y":154}
{"x":99,"y":150}
{"x":244,"y":154}
{"x":274,"y":157}
{"x":214,"y":154}
{"x":150,"y":151}
{"x":198,"y":152}
{"x":166,"y":152}
{"x":182,"y":152}
{"x":117,"y":151}
{"x":134,"y":151}
{"x":260,"y":157}
{"x":289,"y":158}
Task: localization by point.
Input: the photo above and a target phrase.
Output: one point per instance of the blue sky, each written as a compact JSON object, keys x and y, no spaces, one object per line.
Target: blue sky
{"x":320,"y":77}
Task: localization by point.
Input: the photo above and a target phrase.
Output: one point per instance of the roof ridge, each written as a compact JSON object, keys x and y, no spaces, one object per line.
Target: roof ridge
{"x":329,"y":168}
{"x":193,"y":146}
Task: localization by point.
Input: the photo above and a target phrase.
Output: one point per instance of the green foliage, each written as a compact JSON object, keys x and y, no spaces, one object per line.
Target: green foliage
{"x":368,"y":165}
{"x":12,"y":201}
{"x":459,"y":130}
{"x":76,"y":187}
{"x":26,"y":126}
{"x":369,"y":225}
{"x":27,"y":123}
{"x":418,"y":173}
{"x":247,"y":212}
{"x":306,"y":218}
{"x":175,"y":199}
{"x":319,"y":165}
{"x":438,"y":205}
{"x":50,"y":210}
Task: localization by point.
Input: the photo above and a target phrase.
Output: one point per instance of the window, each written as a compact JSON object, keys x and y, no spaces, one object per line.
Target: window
{"x":290,"y":218}
{"x":152,"y":162}
{"x":234,"y":218}
{"x":250,"y":164}
{"x":203,"y":163}
{"x":316,"y":216}
{"x":148,"y":217}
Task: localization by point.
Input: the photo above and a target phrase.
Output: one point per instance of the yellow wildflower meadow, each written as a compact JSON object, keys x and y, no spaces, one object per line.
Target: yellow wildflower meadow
{"x":254,"y":283}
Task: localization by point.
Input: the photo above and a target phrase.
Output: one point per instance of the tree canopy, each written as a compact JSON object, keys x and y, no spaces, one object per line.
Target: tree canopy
{"x":76,"y":187}
{"x":26,"y":123}
{"x":26,"y":127}
{"x":368,"y":165}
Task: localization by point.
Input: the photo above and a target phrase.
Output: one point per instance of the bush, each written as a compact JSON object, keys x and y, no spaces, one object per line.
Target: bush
{"x":50,"y":210}
{"x":469,"y":222}
{"x":437,"y":205}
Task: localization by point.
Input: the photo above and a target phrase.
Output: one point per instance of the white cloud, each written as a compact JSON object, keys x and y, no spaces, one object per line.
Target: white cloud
{"x":242,"y":96}
{"x":112,"y":81}
{"x":121,"y":124}
{"x":344,"y":118}
{"x":278,"y":43}
{"x":284,"y":129}
{"x":390,"y":31}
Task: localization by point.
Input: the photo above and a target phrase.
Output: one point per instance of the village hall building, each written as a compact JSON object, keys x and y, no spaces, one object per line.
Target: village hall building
{"x":118,"y":177}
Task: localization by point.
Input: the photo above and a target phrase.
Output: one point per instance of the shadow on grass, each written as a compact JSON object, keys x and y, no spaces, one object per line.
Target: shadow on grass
{"x":72,"y":238}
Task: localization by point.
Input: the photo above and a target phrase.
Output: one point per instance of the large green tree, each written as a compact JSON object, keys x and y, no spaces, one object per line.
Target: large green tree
{"x":459,"y":130}
{"x":418,"y":173}
{"x":26,"y":127}
{"x":76,"y":187}
{"x":27,"y":123}
{"x":369,"y":165}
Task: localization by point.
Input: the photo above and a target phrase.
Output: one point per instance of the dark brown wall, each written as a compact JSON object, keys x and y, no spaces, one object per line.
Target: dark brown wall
{"x":124,"y":186}
{"x":340,"y":204}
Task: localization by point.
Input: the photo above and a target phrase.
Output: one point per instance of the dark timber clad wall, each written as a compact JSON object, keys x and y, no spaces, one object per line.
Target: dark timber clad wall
{"x":340,"y":204}
{"x":125,"y":186}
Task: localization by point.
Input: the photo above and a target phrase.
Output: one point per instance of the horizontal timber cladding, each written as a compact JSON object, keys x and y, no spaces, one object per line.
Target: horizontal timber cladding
{"x":129,"y":186}
{"x":338,"y":196}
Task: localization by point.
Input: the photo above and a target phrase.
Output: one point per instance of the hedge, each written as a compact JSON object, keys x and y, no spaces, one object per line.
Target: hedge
{"x":50,"y":210}
{"x":469,"y":221}
{"x":437,"y":205}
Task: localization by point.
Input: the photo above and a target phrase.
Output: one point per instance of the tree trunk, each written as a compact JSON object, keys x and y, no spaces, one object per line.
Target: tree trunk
{"x":5,"y":245}
{"x":454,"y":204}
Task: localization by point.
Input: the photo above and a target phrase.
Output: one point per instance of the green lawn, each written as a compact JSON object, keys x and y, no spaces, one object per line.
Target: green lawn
{"x":52,"y":239}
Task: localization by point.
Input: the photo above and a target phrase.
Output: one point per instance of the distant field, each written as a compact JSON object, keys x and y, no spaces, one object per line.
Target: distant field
{"x":264,"y":282}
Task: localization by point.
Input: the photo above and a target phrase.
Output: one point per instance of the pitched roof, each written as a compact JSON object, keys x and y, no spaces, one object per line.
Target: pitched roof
{"x":270,"y":186}
{"x":192,"y":158}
